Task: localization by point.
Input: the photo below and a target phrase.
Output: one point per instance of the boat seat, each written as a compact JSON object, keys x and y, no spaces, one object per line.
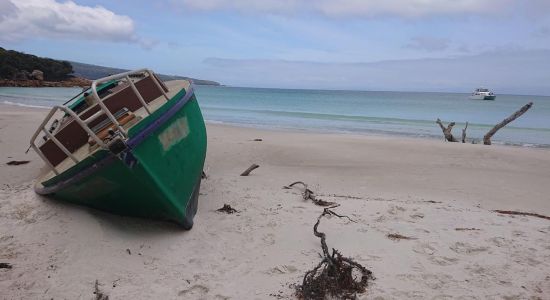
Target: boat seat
{"x":103,"y":130}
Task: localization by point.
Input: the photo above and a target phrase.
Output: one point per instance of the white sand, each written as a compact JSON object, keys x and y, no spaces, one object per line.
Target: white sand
{"x":59,"y":250}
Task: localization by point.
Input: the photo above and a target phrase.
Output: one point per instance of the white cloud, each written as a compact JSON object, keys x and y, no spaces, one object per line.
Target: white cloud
{"x":6,"y":8}
{"x":407,"y":8}
{"x":23,"y":19}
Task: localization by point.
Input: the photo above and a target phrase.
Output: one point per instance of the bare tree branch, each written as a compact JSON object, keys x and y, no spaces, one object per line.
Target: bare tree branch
{"x":247,"y":171}
{"x":447,"y":130}
{"x":464,"y":133}
{"x":517,"y":114}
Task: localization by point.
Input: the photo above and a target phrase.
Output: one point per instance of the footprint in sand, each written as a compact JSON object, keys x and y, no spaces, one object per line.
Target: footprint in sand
{"x":284,"y":269}
{"x":522,"y":259}
{"x":450,"y":297}
{"x":271,"y":224}
{"x":429,"y":251}
{"x":406,"y":295}
{"x":430,"y":280}
{"x":424,"y":248}
{"x":482,"y":275}
{"x":195,"y":291}
{"x":394,"y":210}
{"x":363,"y":229}
{"x":269,"y":239}
{"x":466,"y":248}
{"x":443,"y":260}
{"x":381,"y":219}
{"x":518,"y":233}
{"x":436,"y":281}
{"x":417,"y":215}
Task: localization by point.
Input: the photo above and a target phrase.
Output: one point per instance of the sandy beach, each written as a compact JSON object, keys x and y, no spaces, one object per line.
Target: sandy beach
{"x":440,"y":195}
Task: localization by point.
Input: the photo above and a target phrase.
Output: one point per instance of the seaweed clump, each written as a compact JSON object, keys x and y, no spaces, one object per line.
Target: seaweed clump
{"x":335,"y":276}
{"x":227,"y":209}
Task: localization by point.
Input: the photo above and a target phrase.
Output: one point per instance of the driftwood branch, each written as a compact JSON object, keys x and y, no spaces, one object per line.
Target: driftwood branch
{"x":17,"y":162}
{"x":520,"y":213}
{"x":322,"y":235}
{"x":5,"y":266}
{"x":464,"y":133}
{"x":397,"y":237}
{"x":247,"y":171}
{"x":308,"y":194}
{"x":517,"y":114}
{"x":447,"y":131}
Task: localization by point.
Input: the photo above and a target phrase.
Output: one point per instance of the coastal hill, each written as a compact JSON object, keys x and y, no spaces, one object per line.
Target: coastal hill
{"x":27,"y":70}
{"x":93,"y":72}
{"x":16,"y":65}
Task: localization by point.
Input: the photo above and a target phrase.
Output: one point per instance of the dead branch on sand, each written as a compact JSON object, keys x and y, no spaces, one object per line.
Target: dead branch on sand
{"x":334,"y":275}
{"x":397,"y":237}
{"x":17,"y":162}
{"x":5,"y":266}
{"x":517,"y":114}
{"x":447,"y":130}
{"x":431,"y":201}
{"x":247,"y":171}
{"x":511,"y":212}
{"x":308,"y":194}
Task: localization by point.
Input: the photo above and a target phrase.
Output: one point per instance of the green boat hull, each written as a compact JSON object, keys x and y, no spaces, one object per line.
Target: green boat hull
{"x":157,"y":176}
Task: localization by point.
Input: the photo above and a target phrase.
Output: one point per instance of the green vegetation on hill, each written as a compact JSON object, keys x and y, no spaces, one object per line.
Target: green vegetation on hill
{"x":94,"y":72}
{"x":19,"y":65}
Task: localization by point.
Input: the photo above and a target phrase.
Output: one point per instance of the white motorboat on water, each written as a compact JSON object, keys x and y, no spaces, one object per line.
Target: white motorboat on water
{"x":482,"y":94}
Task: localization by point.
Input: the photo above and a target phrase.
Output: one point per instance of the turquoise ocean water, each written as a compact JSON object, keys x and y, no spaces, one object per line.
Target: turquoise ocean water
{"x":369,"y":112}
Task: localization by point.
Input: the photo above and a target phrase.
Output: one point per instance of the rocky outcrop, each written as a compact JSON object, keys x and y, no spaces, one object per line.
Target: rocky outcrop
{"x":25,"y":75}
{"x":37,"y":74}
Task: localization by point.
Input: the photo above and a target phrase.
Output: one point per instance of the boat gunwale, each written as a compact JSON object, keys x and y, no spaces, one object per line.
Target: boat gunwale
{"x":132,"y":142}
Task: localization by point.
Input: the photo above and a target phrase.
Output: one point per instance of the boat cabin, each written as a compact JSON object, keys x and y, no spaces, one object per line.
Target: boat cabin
{"x":98,"y":116}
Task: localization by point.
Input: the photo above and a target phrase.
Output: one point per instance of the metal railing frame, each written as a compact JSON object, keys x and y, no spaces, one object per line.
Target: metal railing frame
{"x":103,"y":109}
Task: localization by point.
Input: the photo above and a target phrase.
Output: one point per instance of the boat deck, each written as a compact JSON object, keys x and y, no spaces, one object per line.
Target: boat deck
{"x":173,"y":86}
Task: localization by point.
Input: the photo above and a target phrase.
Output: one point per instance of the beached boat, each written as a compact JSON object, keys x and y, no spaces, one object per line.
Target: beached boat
{"x":482,"y":94}
{"x":131,"y":145}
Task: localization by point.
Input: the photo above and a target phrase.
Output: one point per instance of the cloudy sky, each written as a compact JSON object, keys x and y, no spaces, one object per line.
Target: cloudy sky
{"x":418,"y":45}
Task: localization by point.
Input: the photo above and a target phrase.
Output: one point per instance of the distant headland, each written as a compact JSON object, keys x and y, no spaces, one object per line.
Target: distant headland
{"x":18,"y":69}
